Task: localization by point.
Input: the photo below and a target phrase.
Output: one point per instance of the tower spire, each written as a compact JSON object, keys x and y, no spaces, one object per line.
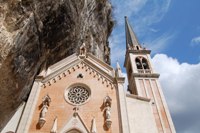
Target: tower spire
{"x":131,"y":39}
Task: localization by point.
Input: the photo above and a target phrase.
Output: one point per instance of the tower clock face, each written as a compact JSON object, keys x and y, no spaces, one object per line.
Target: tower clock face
{"x":77,"y":95}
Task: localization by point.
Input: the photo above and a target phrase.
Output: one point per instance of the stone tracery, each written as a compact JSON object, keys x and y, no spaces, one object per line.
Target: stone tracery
{"x":78,"y":95}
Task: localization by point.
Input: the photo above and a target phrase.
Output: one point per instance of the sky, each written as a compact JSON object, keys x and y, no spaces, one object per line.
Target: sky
{"x":171,"y":29}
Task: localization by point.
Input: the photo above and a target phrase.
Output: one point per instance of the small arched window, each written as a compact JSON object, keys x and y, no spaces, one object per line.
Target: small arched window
{"x":145,"y":64}
{"x":138,"y":63}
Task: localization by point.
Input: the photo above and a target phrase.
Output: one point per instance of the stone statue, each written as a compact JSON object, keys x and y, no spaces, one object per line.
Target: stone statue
{"x":44,"y":111}
{"x":45,"y":104}
{"x":107,"y":100}
{"x":46,"y":100}
{"x":107,"y":111}
{"x":83,"y":49}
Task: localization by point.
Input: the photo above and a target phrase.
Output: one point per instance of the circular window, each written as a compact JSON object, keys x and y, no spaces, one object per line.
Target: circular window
{"x":77,"y":95}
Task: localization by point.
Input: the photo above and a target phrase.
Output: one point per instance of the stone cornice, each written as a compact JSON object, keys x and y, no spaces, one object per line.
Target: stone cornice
{"x":59,"y":71}
{"x":146,"y":75}
{"x":91,"y":56}
{"x":139,"y":51}
{"x":107,"y":75}
{"x":120,"y":79}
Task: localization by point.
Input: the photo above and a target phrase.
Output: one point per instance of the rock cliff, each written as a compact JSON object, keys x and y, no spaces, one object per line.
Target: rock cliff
{"x":35,"y":34}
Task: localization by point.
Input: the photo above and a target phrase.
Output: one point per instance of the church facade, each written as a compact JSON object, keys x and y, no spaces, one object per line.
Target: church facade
{"x":82,"y":94}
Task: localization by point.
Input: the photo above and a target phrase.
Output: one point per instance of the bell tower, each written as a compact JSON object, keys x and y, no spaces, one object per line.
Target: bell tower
{"x":143,"y":80}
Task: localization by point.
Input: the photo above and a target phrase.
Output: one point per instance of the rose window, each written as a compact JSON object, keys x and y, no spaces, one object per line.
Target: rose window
{"x":78,"y":95}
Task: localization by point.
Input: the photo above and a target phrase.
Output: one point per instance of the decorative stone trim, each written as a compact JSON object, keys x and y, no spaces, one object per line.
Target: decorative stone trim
{"x":87,"y":68}
{"x":54,"y":127}
{"x":152,"y":75}
{"x":93,"y":127}
{"x":144,"y":51}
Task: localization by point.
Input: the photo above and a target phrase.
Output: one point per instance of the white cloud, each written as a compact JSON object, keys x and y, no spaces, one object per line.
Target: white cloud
{"x":153,"y":30}
{"x":126,"y":8}
{"x":116,"y":39}
{"x":152,"y":12}
{"x":117,"y":44}
{"x":180,"y":82}
{"x":195,"y":41}
{"x":160,"y":43}
{"x":117,"y":52}
{"x":143,"y":12}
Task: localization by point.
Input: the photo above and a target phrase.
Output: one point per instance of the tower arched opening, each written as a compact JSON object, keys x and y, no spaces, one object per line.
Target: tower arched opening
{"x":145,"y":63}
{"x":138,"y":63}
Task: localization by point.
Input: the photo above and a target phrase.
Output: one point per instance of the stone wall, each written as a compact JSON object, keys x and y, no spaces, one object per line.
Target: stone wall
{"x":140,"y":115}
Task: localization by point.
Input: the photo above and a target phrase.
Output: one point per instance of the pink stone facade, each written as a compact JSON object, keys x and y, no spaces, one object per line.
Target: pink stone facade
{"x":63,"y":110}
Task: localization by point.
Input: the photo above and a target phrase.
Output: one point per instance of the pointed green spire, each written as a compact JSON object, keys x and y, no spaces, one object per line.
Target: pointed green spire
{"x":131,"y":38}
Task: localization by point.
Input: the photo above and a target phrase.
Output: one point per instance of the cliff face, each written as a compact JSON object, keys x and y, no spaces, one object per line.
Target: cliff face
{"x":35,"y":34}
